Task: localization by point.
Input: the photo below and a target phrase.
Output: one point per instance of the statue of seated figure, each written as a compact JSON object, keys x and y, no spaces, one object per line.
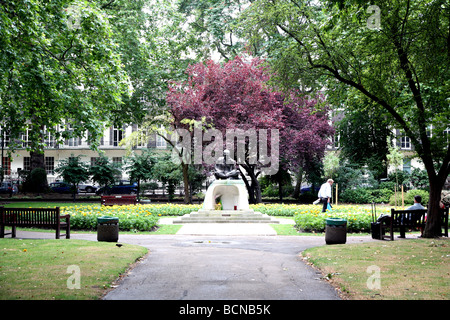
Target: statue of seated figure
{"x":224,"y":170}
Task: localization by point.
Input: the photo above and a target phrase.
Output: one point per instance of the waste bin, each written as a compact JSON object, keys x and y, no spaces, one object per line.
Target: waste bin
{"x":335,"y":231}
{"x":108,"y":229}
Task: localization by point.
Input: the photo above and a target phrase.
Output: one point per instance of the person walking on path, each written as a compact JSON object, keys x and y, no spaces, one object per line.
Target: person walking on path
{"x":325,"y":194}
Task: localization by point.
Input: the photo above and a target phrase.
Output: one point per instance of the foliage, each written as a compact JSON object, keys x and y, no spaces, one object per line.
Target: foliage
{"x":36,"y":181}
{"x":366,"y":195}
{"x":169,"y":173}
{"x":131,"y":217}
{"x":364,"y":136}
{"x":103,"y":171}
{"x":358,"y":218}
{"x":409,"y":197}
{"x":351,"y":175}
{"x":73,"y":171}
{"x":418,"y":179}
{"x":394,"y":64}
{"x":140,"y":167}
{"x":236,"y":95}
{"x":52,"y":69}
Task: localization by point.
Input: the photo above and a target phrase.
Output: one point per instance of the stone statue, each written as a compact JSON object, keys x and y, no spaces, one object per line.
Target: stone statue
{"x":224,"y":170}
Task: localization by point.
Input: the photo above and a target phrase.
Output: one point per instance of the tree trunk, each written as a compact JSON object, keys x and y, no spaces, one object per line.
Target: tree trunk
{"x":254,"y":190}
{"x":187,"y":198}
{"x":298,"y":184}
{"x":433,"y":224}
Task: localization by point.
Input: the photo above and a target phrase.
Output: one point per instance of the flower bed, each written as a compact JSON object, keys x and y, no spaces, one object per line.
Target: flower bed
{"x":309,"y":218}
{"x":139,"y":217}
{"x":131,"y":217}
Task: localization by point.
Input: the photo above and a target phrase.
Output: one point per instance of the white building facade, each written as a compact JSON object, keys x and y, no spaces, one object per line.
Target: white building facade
{"x":54,"y":153}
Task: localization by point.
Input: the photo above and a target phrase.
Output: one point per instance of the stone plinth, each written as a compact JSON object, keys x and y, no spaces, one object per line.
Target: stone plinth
{"x":233,"y":195}
{"x":223,"y":216}
{"x":235,"y":209}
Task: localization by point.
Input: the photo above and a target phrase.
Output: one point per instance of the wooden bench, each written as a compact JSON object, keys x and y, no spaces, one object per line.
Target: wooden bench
{"x":411,"y":219}
{"x":118,"y":200}
{"x":33,"y":217}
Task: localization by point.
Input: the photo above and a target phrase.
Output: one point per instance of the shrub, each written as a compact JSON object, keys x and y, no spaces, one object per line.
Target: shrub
{"x":409,"y":197}
{"x":131,"y":217}
{"x":310,"y":218}
{"x":382,"y":195}
{"x":358,"y":195}
{"x":36,"y":181}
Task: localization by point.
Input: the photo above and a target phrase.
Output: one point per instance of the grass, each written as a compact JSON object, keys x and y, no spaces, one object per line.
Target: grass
{"x":412,"y":269}
{"x":47,"y":269}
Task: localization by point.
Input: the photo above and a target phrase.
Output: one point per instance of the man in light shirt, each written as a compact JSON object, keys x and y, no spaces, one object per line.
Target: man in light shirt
{"x":417,"y":204}
{"x":325,"y":193}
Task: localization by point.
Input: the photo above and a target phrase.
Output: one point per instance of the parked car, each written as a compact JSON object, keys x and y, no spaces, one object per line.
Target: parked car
{"x":123,"y":187}
{"x":308,"y":189}
{"x":61,"y":187}
{"x":8,"y":187}
{"x":88,"y":188}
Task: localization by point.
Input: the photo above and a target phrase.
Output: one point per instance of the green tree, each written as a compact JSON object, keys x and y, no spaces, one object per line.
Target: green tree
{"x":169,"y":173}
{"x":364,"y":138}
{"x":60,"y":72}
{"x":392,"y":53}
{"x":73,"y":171}
{"x":104,"y":172}
{"x":140,"y":167}
{"x":395,"y":159}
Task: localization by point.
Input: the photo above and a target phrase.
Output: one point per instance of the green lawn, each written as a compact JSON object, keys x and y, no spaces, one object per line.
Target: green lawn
{"x":49,"y":269}
{"x":411,"y":269}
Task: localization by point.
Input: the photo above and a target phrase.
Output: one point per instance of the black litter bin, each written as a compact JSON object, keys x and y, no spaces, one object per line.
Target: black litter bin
{"x":335,"y":231}
{"x":108,"y":229}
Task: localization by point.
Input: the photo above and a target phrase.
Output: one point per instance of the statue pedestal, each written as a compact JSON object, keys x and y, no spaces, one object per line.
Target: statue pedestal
{"x":232,"y":193}
{"x":235,"y":208}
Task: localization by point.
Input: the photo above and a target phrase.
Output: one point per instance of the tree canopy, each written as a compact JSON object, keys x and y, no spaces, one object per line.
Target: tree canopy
{"x":237,"y":95}
{"x":395,"y":53}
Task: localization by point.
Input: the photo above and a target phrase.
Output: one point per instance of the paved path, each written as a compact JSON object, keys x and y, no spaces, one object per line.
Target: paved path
{"x":216,"y":267}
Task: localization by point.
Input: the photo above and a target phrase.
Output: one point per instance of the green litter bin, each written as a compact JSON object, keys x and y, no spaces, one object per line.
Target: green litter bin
{"x":108,"y":229}
{"x":335,"y":231}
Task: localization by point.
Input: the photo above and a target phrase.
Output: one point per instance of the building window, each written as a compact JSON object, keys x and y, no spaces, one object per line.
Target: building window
{"x":25,"y":140}
{"x":407,"y":165}
{"x":94,"y":160}
{"x":117,"y":136}
{"x":117,"y":161}
{"x":405,"y":143}
{"x":6,"y":166}
{"x":72,"y":142}
{"x":160,"y":141}
{"x":4,"y":138}
{"x":26,"y":163}
{"x":49,"y":139}
{"x":50,"y":165}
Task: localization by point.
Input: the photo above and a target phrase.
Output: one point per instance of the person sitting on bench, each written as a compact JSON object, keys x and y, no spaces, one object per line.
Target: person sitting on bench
{"x":417,"y":204}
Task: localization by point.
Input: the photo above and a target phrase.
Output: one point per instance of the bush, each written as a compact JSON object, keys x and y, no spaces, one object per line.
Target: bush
{"x":131,"y":217}
{"x":36,"y":181}
{"x":382,"y":195}
{"x":366,"y":195}
{"x":409,"y":197}
{"x":358,"y":195}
